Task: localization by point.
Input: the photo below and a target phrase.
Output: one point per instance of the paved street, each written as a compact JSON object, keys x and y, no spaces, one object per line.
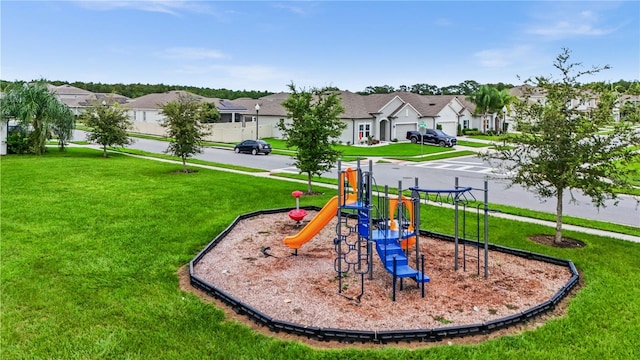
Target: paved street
{"x":439,"y":174}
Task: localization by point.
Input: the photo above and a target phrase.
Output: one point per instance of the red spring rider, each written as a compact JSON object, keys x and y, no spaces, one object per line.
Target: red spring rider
{"x":297,"y":214}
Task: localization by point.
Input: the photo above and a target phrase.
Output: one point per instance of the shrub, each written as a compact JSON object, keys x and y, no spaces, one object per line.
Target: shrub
{"x":17,"y":143}
{"x":471,"y":132}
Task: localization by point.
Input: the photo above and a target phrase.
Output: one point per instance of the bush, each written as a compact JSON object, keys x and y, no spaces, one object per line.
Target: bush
{"x":17,"y":143}
{"x":471,"y":132}
{"x":394,"y":140}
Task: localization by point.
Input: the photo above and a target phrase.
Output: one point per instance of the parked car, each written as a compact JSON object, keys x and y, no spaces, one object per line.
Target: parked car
{"x":254,"y":147}
{"x":433,"y":136}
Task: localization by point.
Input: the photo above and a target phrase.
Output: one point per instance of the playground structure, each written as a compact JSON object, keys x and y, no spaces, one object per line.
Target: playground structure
{"x":208,"y":271}
{"x":390,"y":224}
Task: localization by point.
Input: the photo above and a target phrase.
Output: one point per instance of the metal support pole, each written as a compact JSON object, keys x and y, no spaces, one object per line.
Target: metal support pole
{"x":338,"y":243}
{"x":395,"y":278}
{"x":455,"y":226}
{"x":486,"y":229}
{"x":422,"y":270}
{"x":340,"y":185}
{"x":416,"y":216}
{"x":370,"y":259}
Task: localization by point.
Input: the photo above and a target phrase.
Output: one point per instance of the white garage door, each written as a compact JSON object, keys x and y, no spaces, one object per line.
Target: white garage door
{"x":450,"y":128}
{"x":401,"y":130}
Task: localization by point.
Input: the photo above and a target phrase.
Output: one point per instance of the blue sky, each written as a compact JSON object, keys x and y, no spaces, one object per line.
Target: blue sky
{"x":266,"y":45}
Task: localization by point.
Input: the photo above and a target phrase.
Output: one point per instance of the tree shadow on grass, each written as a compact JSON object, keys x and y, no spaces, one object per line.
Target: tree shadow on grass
{"x":566,"y":243}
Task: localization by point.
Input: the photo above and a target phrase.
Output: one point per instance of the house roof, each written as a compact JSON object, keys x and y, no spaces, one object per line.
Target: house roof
{"x":67,"y":90}
{"x":425,"y":105}
{"x":157,"y":101}
{"x":356,"y":106}
{"x":269,"y":105}
{"x":99,"y":97}
{"x":362,"y":106}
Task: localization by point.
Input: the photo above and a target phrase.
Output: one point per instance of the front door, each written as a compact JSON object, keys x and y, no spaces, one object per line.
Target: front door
{"x":384,"y":124}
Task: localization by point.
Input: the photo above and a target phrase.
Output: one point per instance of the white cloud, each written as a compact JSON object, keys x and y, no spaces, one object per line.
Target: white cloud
{"x":173,"y":7}
{"x":300,"y":8}
{"x":568,"y":22}
{"x":498,"y":58}
{"x":188,"y":53}
{"x":444,"y":22}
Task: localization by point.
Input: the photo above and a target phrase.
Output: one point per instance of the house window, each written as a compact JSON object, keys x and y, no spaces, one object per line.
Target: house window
{"x":144,"y":116}
{"x":465,"y":124}
{"x":364,"y":131}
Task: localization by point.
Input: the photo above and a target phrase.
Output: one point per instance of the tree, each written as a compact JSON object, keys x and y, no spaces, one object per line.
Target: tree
{"x":39,"y":113}
{"x":109,"y":124}
{"x":209,"y":113}
{"x":385,"y":89}
{"x":183,"y":123}
{"x":315,"y":125}
{"x":425,"y":89}
{"x":488,"y":101}
{"x":559,"y":148}
{"x":505,"y":103}
{"x":630,"y":111}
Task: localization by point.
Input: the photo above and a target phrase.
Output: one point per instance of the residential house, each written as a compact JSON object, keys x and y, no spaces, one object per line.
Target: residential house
{"x":382,"y":117}
{"x":146,"y":114}
{"x":587,"y":103}
{"x":78,"y":99}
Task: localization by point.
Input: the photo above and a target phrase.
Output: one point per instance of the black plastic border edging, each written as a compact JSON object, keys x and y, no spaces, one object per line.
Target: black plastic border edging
{"x":383,"y":337}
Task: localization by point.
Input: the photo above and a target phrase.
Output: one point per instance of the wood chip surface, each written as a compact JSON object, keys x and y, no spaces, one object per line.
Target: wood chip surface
{"x":303,"y":289}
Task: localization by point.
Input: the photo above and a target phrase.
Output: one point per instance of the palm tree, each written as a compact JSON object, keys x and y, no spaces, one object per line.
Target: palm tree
{"x":488,"y":101}
{"x":506,"y":101}
{"x":39,"y":112}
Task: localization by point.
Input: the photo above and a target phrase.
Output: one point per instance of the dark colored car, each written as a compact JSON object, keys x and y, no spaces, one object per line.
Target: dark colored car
{"x":254,"y":147}
{"x":433,"y":136}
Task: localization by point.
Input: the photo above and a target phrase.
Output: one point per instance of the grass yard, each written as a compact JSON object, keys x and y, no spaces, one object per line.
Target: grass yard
{"x":91,"y":247}
{"x":388,"y":150}
{"x":473,"y":144}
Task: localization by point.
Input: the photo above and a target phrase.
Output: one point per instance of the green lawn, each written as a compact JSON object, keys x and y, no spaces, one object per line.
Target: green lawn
{"x":495,"y":138}
{"x":635,"y":166}
{"x":387,"y":150}
{"x":91,"y":246}
{"x":474,"y":144}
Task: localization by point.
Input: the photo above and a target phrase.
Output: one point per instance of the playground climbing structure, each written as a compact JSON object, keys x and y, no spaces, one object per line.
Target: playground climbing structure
{"x":363,"y":225}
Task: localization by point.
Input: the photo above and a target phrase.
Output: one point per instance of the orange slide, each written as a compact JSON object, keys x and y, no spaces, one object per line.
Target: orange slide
{"x":328,"y":212}
{"x":393,"y":205}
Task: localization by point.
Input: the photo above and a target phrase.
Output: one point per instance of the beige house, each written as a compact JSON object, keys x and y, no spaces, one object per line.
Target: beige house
{"x":382,"y":117}
{"x":146,"y":114}
{"x":78,"y":99}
